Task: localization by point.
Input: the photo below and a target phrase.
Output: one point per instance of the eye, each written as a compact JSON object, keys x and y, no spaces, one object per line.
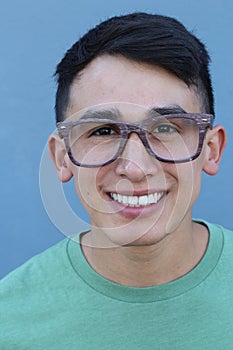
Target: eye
{"x":165,"y":129}
{"x":104,"y":131}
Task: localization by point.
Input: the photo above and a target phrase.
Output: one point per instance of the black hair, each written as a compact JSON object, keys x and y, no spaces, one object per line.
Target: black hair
{"x":142,"y":37}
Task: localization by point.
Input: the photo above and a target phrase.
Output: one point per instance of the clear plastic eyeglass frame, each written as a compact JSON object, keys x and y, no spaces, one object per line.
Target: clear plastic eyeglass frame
{"x":203,"y":122}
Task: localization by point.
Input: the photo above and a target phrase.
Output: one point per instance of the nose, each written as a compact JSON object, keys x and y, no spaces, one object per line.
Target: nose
{"x":135,"y":162}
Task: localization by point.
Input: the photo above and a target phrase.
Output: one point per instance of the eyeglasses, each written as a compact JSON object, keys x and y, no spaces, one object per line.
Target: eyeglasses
{"x":173,"y":138}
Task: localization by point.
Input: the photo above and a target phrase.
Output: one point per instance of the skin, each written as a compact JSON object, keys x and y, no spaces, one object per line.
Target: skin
{"x":151,"y":245}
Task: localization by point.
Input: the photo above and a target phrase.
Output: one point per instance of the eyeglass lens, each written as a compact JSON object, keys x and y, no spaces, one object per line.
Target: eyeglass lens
{"x":169,"y":138}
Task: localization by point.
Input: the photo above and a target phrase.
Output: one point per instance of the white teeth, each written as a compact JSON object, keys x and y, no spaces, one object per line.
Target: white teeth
{"x":119,"y":198}
{"x":132,"y":200}
{"x":114,"y":195}
{"x":137,"y":201}
{"x":151,"y":198}
{"x":143,"y":200}
{"x":124,"y":200}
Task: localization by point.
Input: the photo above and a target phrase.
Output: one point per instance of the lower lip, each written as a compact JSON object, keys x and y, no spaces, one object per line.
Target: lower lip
{"x":133,"y":212}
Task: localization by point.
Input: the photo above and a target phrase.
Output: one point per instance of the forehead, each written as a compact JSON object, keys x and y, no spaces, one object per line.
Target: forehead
{"x":110,"y":79}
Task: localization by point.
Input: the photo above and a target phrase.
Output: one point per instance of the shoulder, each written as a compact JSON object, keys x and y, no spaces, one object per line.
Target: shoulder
{"x":225,"y":232}
{"x":216,"y":229}
{"x":227,"y":241}
{"x":34,"y":295}
{"x":220,"y":240}
{"x":225,"y":244}
{"x":37,"y":269}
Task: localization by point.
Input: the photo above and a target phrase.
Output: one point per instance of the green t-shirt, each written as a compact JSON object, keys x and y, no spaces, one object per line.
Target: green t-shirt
{"x":57,"y":301}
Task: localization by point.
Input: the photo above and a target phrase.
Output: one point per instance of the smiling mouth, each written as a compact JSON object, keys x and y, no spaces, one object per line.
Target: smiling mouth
{"x":137,"y":201}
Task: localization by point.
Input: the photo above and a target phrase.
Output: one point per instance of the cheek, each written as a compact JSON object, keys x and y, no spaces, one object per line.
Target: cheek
{"x":88,"y":187}
{"x":189,"y":183}
{"x":85,"y":184}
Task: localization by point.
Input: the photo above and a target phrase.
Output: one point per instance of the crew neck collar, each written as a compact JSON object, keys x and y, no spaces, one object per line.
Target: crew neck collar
{"x":153,"y":293}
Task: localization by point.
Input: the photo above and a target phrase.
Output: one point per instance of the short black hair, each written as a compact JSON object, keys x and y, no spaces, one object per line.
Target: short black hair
{"x":142,"y":37}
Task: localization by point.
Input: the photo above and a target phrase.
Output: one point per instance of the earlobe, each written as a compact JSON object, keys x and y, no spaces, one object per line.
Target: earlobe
{"x":57,"y":153}
{"x":215,"y":144}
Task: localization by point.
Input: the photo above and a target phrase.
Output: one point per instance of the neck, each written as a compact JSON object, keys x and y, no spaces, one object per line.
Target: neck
{"x":143,"y":266}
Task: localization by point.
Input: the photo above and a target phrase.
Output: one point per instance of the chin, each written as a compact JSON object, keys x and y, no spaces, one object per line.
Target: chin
{"x":147,"y":240}
{"x":131,"y":238}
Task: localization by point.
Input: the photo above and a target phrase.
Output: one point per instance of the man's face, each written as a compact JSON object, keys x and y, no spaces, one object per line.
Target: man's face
{"x":173,"y":188}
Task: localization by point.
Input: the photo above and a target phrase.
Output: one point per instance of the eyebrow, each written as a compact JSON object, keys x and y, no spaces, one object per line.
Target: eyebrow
{"x":166,"y":110}
{"x":112,"y":113}
{"x":116,"y":115}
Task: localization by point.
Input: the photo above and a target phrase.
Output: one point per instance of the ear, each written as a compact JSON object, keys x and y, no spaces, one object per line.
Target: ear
{"x":58,"y":155}
{"x":215,"y":144}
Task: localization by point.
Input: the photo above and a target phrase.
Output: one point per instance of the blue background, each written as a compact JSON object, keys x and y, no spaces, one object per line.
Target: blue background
{"x":34,"y":36}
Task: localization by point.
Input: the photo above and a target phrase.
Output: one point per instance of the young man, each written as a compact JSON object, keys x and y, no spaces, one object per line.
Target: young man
{"x":135,"y":114}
